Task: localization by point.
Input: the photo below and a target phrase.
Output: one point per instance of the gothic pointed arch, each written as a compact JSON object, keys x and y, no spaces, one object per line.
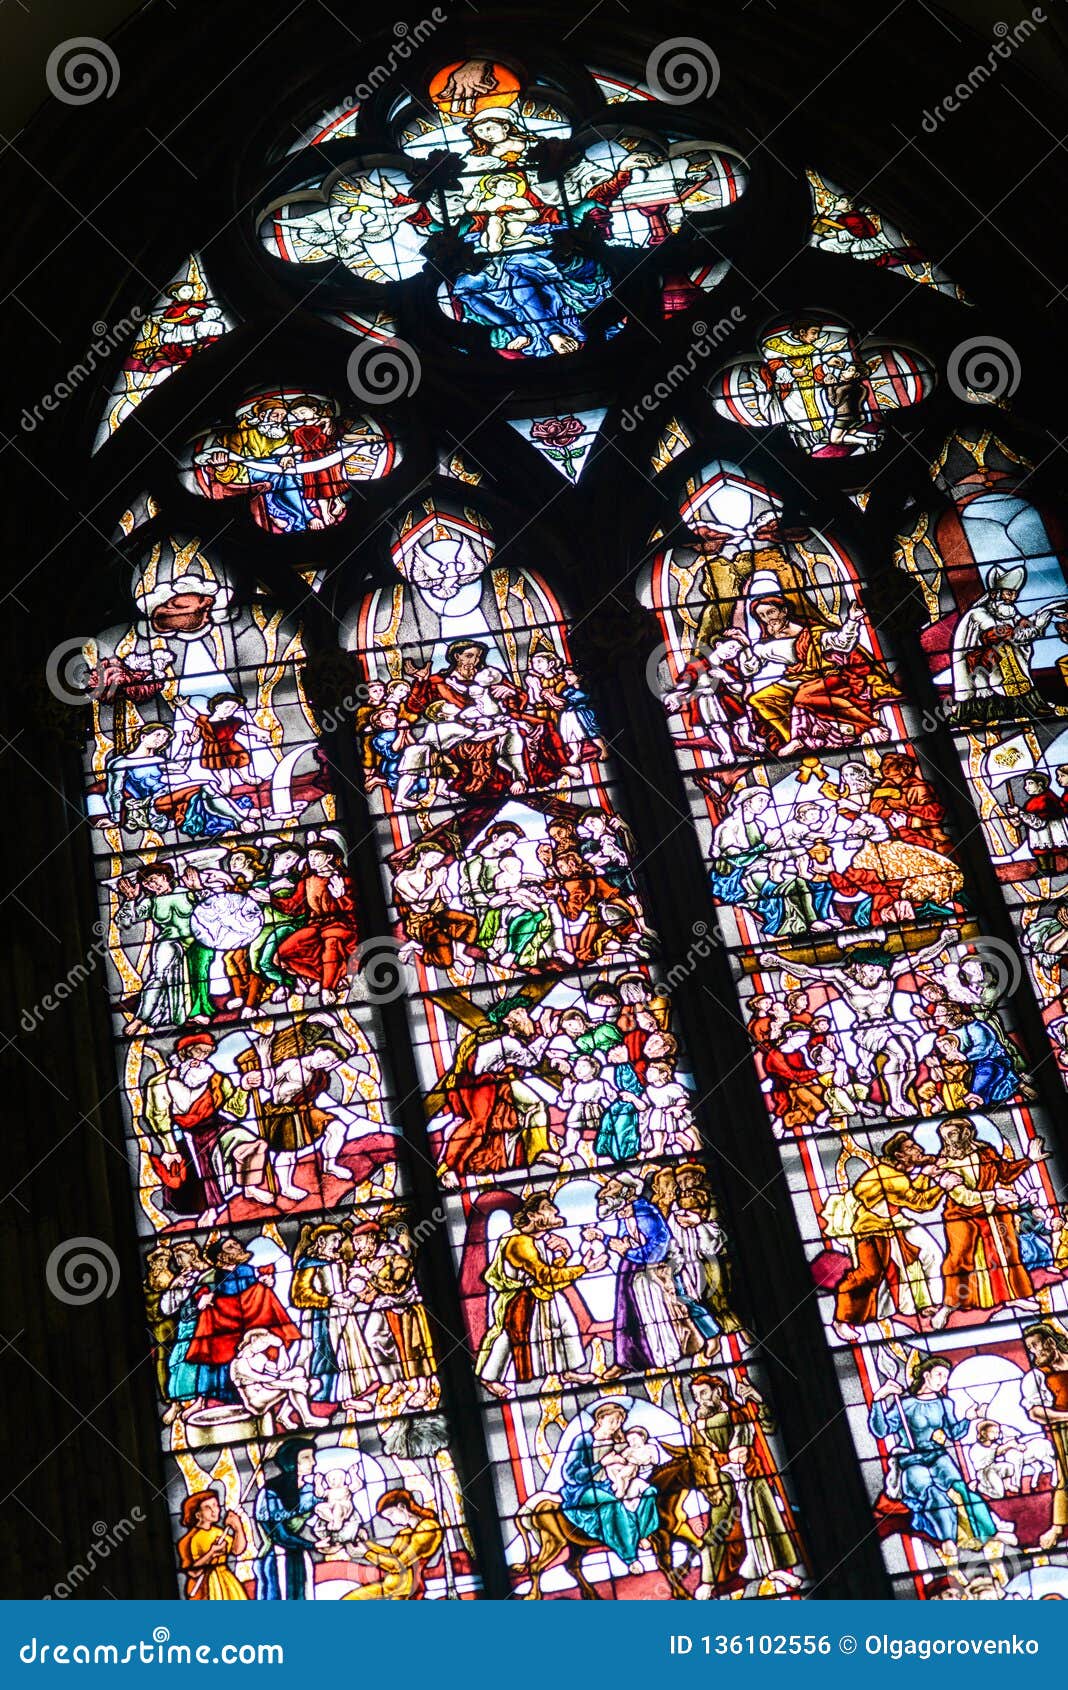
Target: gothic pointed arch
{"x":571,"y":786}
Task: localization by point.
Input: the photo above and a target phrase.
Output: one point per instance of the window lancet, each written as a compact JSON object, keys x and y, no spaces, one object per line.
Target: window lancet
{"x":894,"y":1076}
{"x":293,"y":1355}
{"x":845,"y":225}
{"x":183,"y":320}
{"x":988,"y":563}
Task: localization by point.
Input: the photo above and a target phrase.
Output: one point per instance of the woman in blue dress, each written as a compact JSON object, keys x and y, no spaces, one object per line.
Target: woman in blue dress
{"x":532,"y":302}
{"x":587,"y":1498}
{"x":994,"y":1076}
{"x":145,"y":791}
{"x":921,"y":1426}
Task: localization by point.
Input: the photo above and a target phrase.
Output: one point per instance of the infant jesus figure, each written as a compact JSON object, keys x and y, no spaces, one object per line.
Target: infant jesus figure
{"x":627,"y":1466}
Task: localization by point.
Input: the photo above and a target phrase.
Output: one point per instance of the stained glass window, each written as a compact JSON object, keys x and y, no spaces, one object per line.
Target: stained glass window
{"x":280,"y":1262}
{"x":846,"y":225}
{"x":517,"y":250}
{"x":987,"y":562}
{"x":877,"y":1008}
{"x":814,"y":379}
{"x":587,"y":1238}
{"x":184,"y":320}
{"x":427,"y":720}
{"x":291,"y":459}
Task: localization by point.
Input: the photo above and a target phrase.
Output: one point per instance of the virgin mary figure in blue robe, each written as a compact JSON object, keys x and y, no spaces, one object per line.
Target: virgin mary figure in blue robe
{"x":589,"y":1502}
{"x":530,"y":296}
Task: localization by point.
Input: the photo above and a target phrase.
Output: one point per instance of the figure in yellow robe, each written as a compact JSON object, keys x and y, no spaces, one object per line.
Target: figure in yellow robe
{"x":205,"y":1550}
{"x":402,"y":1562}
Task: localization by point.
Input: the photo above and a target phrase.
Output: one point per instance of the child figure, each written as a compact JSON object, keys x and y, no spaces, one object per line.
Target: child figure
{"x":578,"y":725}
{"x":374,"y":696}
{"x":627,"y":1469}
{"x":706,"y":699}
{"x":951,"y":1072}
{"x":525,"y":931}
{"x":834,"y":1083}
{"x":508,"y":213}
{"x":819,"y":860}
{"x":668,"y":1124}
{"x":585,"y":1096}
{"x":387,"y":741}
{"x":416,"y":762}
{"x":226,"y":741}
{"x":595,"y":1104}
{"x":397,"y":696}
{"x":335,"y":1507}
{"x":997,"y":1458}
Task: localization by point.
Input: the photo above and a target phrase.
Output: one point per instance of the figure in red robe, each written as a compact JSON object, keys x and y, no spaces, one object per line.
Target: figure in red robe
{"x":909,"y":804}
{"x":218,"y":729}
{"x":982,"y":1268}
{"x":796,"y":1097}
{"x":320,"y":947}
{"x":324,"y":489}
{"x":234,"y":1300}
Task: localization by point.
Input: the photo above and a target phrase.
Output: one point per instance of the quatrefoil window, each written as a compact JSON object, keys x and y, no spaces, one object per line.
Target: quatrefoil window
{"x":522,"y":219}
{"x":830,"y":389}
